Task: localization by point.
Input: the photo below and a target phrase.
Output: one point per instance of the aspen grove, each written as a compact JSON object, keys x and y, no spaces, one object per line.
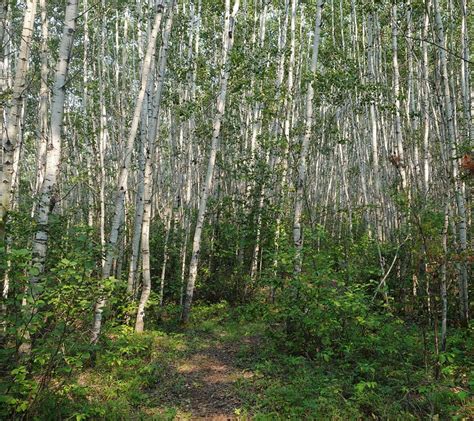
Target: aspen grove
{"x":236,"y":209}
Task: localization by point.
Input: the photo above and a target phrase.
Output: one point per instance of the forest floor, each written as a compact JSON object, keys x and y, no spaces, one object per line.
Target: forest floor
{"x":224,"y":367}
{"x":203,"y":372}
{"x":206,"y":377}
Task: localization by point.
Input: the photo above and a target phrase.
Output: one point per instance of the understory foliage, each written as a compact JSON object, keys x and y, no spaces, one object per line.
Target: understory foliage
{"x":288,"y":180}
{"x":331,"y":346}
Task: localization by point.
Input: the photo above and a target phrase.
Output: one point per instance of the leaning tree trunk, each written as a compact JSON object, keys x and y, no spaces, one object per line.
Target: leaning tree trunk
{"x":148,"y":177}
{"x":227,"y":39}
{"x":48,"y":193}
{"x":123,"y":175}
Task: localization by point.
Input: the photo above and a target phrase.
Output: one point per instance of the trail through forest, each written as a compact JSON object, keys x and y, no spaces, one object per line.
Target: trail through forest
{"x":206,"y":373}
{"x":210,"y":375}
{"x":236,"y":209}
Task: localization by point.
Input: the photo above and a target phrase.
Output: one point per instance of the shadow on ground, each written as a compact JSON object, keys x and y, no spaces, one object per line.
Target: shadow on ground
{"x":202,"y":383}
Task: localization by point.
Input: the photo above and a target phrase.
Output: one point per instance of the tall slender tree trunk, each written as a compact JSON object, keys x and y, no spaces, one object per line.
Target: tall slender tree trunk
{"x":288,"y":110}
{"x":465,"y":73}
{"x":49,"y":194}
{"x":301,"y":176}
{"x":165,"y":256}
{"x":396,"y":92}
{"x":426,"y":102}
{"x":148,"y":178}
{"x":227,"y":41}
{"x":138,"y":222}
{"x":11,"y":140}
{"x":371,"y":64}
{"x":146,"y":275}
{"x":44,"y":104}
{"x":443,"y":280}
{"x":124,"y":169}
{"x":450,"y":135}
{"x":184,"y":248}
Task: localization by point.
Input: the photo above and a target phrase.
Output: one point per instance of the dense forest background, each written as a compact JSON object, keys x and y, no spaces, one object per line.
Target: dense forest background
{"x":286,"y":184}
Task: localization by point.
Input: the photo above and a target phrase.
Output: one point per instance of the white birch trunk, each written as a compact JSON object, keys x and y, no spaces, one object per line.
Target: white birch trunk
{"x":138,"y":223}
{"x":124,"y":169}
{"x":450,"y":135}
{"x":396,"y":92}
{"x":165,"y":257}
{"x":49,"y":188}
{"x":11,"y":140}
{"x":146,"y":276}
{"x":426,"y":103}
{"x":287,"y":106}
{"x":443,"y":280}
{"x":371,"y":57}
{"x":184,"y":248}
{"x":148,"y":177}
{"x":44,"y":103}
{"x":465,"y":73}
{"x":301,"y":176}
{"x":227,"y":41}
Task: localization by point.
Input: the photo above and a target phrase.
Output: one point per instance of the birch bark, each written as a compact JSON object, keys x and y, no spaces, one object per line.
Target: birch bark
{"x":287,"y":107}
{"x":49,"y":188}
{"x":396,"y":92}
{"x":11,"y":140}
{"x":371,"y":59}
{"x":450,"y":136}
{"x":227,"y":40}
{"x":148,"y":176}
{"x":301,"y":176}
{"x":124,"y":170}
{"x":44,"y":102}
{"x":465,"y":73}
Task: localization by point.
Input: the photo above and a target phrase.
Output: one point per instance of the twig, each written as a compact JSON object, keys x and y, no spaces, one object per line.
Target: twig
{"x":389,"y":269}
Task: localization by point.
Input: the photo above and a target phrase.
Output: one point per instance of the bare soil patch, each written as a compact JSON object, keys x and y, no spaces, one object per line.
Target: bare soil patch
{"x":209,"y":377}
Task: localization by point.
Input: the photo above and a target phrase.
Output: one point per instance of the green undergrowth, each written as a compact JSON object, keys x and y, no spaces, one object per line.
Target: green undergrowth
{"x":133,"y":376}
{"x":383,"y":374}
{"x":130,"y":373}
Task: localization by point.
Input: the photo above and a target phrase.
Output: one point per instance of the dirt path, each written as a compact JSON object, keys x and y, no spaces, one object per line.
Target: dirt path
{"x":209,"y":376}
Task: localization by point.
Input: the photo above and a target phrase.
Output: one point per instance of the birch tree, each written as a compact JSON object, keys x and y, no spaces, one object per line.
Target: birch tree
{"x":301,"y":176}
{"x":227,"y":42}
{"x":148,"y":176}
{"x":450,"y":138}
{"x":124,"y":170}
{"x":49,"y":192}
{"x":11,"y":138}
{"x":44,"y":102}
